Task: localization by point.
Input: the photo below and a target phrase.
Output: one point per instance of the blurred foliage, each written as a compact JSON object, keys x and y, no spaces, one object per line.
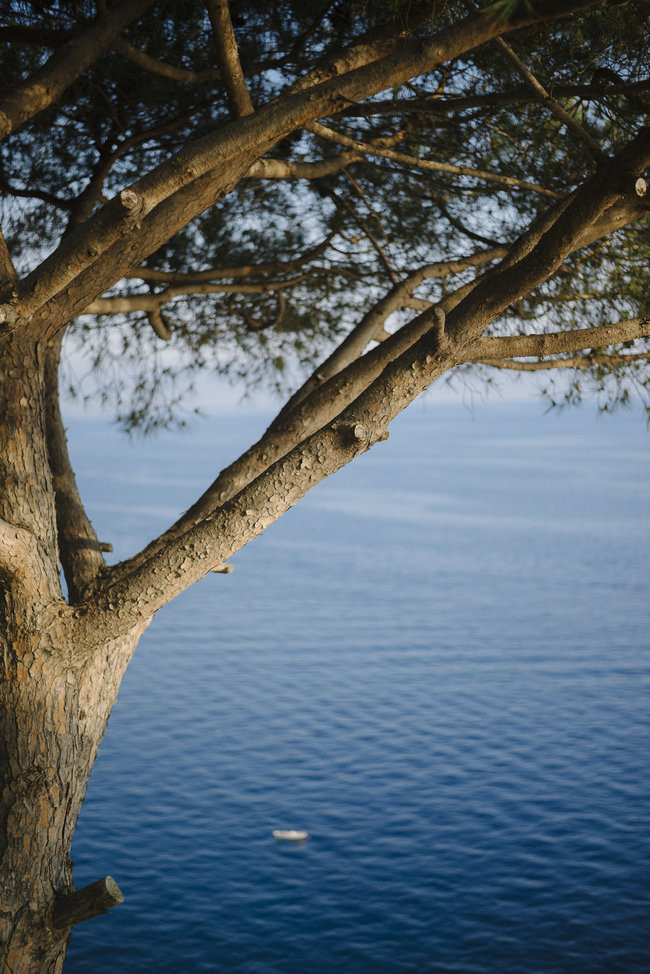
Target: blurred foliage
{"x":119,"y":121}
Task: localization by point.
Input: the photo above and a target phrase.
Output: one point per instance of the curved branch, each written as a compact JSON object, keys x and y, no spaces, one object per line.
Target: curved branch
{"x":373,"y":321}
{"x":430,"y":165}
{"x":532,"y":258}
{"x":245,"y":270}
{"x":153,"y":302}
{"x":340,"y":201}
{"x":288,"y":169}
{"x":170,"y":71}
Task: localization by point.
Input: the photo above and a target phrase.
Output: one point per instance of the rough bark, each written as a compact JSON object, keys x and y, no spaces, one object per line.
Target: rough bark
{"x":55,"y":697}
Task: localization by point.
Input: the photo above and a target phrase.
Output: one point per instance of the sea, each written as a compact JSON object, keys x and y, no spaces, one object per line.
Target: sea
{"x":437,"y":664}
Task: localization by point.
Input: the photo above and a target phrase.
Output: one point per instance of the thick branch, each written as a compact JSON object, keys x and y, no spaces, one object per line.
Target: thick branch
{"x":84,"y":904}
{"x":79,"y":549}
{"x":327,"y":400}
{"x":586,"y":206}
{"x":556,"y":343}
{"x":171,"y":567}
{"x":231,"y":70}
{"x":45,"y":86}
{"x":373,"y":321}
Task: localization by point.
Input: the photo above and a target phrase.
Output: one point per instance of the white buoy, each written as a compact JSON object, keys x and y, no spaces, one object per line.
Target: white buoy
{"x":290,"y":835}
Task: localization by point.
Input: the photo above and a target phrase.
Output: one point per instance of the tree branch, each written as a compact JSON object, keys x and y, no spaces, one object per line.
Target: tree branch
{"x":287,"y":169}
{"x":341,"y":202}
{"x":44,"y":87}
{"x":574,"y":362}
{"x":153,"y":302}
{"x":373,"y":321}
{"x":428,"y":165}
{"x":170,"y":71}
{"x":82,"y":207}
{"x":79,"y":549}
{"x":541,"y":92}
{"x":8,"y":274}
{"x":231,"y":70}
{"x":447,"y":106}
{"x":245,"y":270}
{"x":557,"y":343}
{"x":142,"y":587}
{"x":570,"y":221}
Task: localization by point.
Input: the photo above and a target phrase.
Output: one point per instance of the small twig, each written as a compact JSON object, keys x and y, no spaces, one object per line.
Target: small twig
{"x":431,"y":165}
{"x":574,"y":362}
{"x":550,"y":102}
{"x":163,"y":70}
{"x":361,"y":223}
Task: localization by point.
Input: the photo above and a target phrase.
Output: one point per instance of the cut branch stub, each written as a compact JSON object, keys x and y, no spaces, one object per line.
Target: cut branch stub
{"x":130,"y":200}
{"x":359,"y":434}
{"x":641,"y":187}
{"x":84,"y":904}
{"x":441,"y":338}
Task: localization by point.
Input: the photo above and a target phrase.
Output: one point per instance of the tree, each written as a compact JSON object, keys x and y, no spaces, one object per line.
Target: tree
{"x":251,"y":190}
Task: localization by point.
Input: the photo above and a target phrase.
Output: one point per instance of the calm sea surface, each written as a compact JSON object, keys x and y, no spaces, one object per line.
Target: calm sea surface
{"x":438,"y":664}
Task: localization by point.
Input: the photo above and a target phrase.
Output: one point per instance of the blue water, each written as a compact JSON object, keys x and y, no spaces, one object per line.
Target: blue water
{"x":437,"y":663}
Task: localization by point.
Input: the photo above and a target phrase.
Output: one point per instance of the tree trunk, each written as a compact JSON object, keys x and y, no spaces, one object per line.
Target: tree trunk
{"x":55,"y":698}
{"x":52,"y":719}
